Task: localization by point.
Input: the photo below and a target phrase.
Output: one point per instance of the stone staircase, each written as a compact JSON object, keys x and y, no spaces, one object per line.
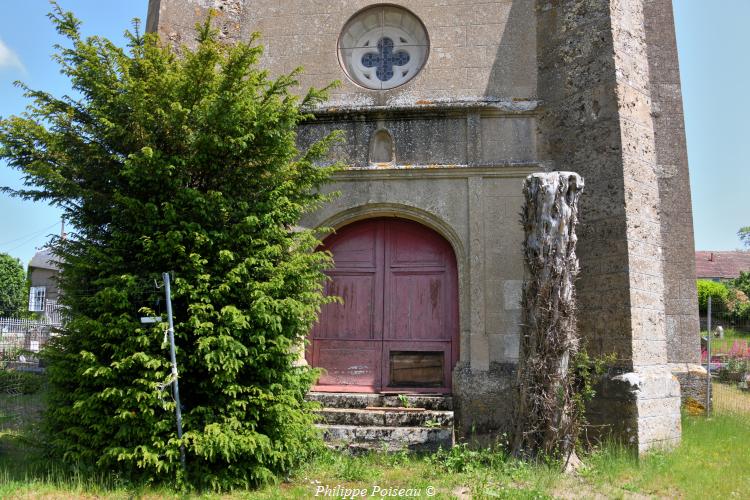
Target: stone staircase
{"x":382,"y":422}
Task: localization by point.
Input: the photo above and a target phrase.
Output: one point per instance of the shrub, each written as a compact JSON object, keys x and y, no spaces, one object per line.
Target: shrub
{"x":13,"y":292}
{"x":12,"y":381}
{"x":718,"y":292}
{"x":740,"y":291}
{"x":187,"y":164}
{"x":742,"y":283}
{"x":738,"y":304}
{"x":734,"y":369}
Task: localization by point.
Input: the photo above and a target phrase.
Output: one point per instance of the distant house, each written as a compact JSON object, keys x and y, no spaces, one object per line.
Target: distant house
{"x":719,"y":266}
{"x":44,"y":291}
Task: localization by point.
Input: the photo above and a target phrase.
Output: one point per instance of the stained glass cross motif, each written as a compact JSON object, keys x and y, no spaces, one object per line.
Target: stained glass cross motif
{"x":385,"y":59}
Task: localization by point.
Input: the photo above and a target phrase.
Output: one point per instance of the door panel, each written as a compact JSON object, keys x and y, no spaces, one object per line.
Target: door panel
{"x":417,"y":306}
{"x":413,"y":245}
{"x":356,"y":246}
{"x":347,"y":340}
{"x":416,"y":368}
{"x":401,"y":381}
{"x":397,"y":328}
{"x":349,"y":364}
{"x":354,"y":319}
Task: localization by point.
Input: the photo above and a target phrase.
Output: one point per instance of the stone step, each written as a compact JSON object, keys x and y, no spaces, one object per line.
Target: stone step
{"x":356,"y":438}
{"x":387,"y":417}
{"x":352,"y":400}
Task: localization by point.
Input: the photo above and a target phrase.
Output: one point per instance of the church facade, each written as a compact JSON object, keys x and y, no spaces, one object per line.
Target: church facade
{"x":446,"y":106}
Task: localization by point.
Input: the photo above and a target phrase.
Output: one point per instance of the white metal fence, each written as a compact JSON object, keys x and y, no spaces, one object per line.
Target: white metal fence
{"x":725,"y":340}
{"x":22,"y":339}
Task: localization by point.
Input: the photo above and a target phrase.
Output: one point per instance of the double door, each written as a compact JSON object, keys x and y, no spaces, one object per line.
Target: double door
{"x":395,"y":329}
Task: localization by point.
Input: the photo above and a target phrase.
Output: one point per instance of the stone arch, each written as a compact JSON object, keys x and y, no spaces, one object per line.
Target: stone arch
{"x":432,"y":221}
{"x":372,"y":210}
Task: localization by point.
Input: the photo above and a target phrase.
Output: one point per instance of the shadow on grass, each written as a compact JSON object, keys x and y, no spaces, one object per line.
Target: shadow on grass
{"x":27,"y":469}
{"x":711,"y":462}
{"x":461,"y":472}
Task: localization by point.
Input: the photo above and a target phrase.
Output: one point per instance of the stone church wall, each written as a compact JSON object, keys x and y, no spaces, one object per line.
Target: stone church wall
{"x":678,"y":247}
{"x":465,"y":136}
{"x":512,"y":87}
{"x":476,"y":208}
{"x":599,"y":121}
{"x":477,"y":49}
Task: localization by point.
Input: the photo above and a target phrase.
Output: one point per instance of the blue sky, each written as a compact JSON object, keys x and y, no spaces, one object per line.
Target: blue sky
{"x":712,"y":38}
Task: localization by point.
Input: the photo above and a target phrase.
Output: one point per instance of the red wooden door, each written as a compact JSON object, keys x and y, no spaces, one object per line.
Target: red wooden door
{"x":397,"y":327}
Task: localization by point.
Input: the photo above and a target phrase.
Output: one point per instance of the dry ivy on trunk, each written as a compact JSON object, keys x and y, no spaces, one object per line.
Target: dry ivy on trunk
{"x":547,"y":422}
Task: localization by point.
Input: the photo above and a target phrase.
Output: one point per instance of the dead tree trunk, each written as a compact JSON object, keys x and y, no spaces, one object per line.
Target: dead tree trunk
{"x":546,"y":414}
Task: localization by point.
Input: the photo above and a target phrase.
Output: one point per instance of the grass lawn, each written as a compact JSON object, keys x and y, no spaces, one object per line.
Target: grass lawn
{"x":730,"y":336}
{"x":730,"y":333}
{"x":712,"y":462}
{"x":728,"y":398}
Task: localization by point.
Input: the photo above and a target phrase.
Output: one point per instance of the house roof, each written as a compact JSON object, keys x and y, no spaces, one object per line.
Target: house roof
{"x":725,"y":265}
{"x":45,"y":259}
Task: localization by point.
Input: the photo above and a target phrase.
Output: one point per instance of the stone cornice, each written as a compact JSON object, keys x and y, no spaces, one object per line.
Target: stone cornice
{"x":333,"y":110}
{"x":511,"y":170}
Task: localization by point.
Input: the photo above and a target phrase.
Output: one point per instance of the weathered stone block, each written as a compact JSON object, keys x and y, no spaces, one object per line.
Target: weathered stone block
{"x":512,"y":290}
{"x":484,"y":401}
{"x":480,"y":352}
{"x":512,"y":87}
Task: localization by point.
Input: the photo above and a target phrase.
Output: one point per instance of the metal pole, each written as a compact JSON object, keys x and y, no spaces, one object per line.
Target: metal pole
{"x":178,"y":410}
{"x":708,"y":352}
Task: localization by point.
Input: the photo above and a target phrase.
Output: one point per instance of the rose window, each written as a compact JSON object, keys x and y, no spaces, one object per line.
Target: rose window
{"x":383,"y":47}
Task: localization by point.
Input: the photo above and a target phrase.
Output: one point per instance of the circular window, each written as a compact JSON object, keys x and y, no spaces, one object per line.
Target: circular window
{"x":383,"y":47}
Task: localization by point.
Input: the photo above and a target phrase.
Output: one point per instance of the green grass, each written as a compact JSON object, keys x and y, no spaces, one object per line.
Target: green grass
{"x":728,"y":398}
{"x":734,"y":334}
{"x":484,"y":473}
{"x":26,"y":473}
{"x":712,"y":462}
{"x":730,"y":335}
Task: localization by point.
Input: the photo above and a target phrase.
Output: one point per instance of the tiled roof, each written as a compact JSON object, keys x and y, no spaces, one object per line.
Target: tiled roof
{"x":44,"y":259}
{"x":725,"y":265}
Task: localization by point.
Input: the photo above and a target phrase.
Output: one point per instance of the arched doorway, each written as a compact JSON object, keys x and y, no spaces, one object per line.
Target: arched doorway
{"x":397,"y":328}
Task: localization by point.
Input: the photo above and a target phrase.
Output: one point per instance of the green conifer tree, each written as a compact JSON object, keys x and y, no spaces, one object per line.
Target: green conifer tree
{"x":13,"y":289}
{"x":186,"y":161}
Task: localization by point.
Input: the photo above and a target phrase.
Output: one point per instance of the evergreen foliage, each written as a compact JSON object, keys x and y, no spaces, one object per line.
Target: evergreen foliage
{"x":13,"y":298}
{"x":718,"y":292}
{"x":743,"y":282}
{"x":182,"y":160}
{"x":16,"y":382}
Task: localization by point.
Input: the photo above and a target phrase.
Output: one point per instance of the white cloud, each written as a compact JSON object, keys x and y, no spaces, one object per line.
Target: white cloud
{"x":8,"y":58}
